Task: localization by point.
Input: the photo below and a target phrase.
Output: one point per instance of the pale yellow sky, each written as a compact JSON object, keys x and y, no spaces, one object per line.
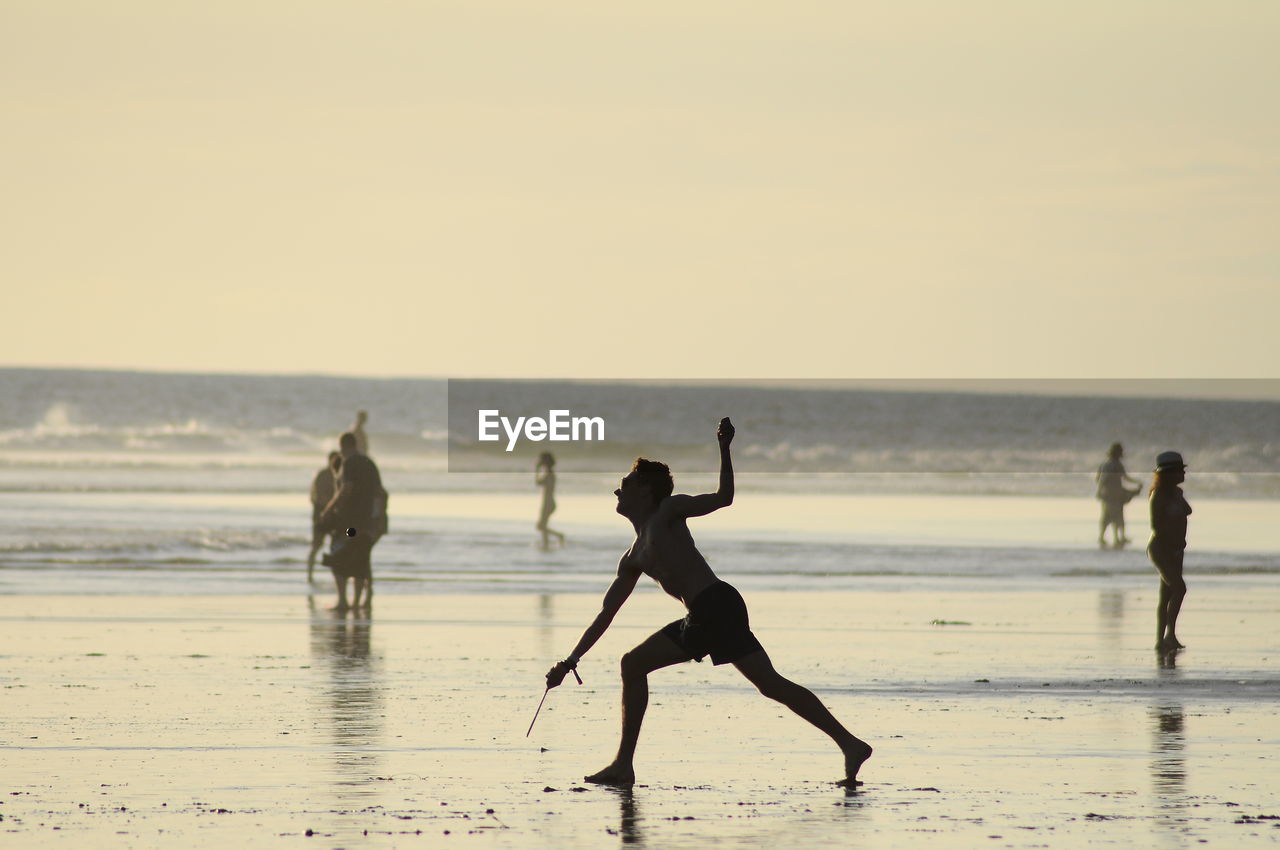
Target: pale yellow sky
{"x":658,"y":189}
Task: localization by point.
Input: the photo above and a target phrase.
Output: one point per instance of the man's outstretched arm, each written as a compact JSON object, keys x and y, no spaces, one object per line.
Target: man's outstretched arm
{"x":613,"y":599}
{"x":687,"y":506}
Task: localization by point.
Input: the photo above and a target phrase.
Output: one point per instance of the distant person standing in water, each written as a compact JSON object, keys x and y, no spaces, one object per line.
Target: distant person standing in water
{"x":1169,"y":512}
{"x":323,"y":486}
{"x":545,"y":477}
{"x":362,"y":439}
{"x":1114,"y":496}
{"x":717,"y":623}
{"x":359,"y":506}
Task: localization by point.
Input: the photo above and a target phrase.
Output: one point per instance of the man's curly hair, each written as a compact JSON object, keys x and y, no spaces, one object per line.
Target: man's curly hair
{"x":656,"y":475}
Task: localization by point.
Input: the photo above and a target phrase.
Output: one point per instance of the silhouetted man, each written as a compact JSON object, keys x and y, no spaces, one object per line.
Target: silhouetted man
{"x":716,"y":625}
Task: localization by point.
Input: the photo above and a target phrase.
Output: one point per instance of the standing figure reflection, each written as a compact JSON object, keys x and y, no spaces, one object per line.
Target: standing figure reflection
{"x":546,"y":623}
{"x":351,"y":703}
{"x":629,"y":816}
{"x":1111,"y":616}
{"x":1169,"y":765}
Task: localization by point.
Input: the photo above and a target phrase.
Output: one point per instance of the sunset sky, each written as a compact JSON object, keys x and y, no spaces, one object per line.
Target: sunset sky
{"x":660,"y":189}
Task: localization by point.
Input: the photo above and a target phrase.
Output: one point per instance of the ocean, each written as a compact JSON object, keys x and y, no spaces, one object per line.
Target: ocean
{"x":125,"y":482}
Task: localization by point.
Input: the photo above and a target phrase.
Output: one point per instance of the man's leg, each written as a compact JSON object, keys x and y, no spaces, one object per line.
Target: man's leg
{"x":656,"y":652}
{"x":368,"y":579}
{"x":361,"y":553}
{"x":759,"y":671}
{"x":341,"y":582}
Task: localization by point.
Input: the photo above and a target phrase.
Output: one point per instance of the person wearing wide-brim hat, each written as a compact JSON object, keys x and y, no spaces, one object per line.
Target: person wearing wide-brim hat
{"x":1169,"y":512}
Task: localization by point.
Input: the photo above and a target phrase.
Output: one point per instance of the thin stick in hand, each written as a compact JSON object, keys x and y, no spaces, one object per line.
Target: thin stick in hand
{"x":544,"y":699}
{"x":535,"y":714}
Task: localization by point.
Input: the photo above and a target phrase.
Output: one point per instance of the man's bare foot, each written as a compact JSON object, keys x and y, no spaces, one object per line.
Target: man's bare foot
{"x":855,"y":754}
{"x":340,"y":608}
{"x":614,"y":774}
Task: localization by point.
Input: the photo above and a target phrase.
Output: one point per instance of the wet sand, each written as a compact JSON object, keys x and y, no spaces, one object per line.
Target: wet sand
{"x":1000,"y":719}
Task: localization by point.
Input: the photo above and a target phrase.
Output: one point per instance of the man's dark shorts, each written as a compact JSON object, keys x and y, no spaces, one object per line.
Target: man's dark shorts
{"x":717,"y":626}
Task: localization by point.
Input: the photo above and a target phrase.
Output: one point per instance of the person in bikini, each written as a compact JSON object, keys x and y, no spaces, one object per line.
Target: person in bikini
{"x":545,"y":477}
{"x":1167,"y":549}
{"x":717,"y":623}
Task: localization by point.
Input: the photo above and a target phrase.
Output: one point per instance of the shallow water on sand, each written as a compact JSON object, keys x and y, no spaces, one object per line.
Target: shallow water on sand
{"x":237,"y":543}
{"x":1024,"y":719}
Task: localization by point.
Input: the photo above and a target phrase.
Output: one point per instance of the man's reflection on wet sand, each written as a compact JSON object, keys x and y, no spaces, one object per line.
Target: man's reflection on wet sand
{"x":629,"y":816}
{"x":351,"y":702}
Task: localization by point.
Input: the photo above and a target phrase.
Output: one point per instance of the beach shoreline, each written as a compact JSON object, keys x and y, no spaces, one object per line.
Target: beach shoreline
{"x":246,"y":544}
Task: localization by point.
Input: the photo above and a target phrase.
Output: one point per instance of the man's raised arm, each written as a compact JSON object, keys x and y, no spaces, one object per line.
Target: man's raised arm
{"x":613,"y":599}
{"x":687,"y":506}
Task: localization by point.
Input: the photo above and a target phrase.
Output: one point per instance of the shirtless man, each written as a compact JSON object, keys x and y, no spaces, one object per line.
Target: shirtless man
{"x":717,"y":621}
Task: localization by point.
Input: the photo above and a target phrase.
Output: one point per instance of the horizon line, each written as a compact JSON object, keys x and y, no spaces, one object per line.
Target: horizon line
{"x":1202,"y":388}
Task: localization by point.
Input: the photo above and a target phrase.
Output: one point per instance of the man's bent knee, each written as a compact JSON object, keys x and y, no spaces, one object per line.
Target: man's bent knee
{"x":774,"y":687}
{"x":632,"y":667}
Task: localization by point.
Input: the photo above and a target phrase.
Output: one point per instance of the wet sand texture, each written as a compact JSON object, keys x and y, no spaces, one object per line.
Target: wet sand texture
{"x":1017,"y":720}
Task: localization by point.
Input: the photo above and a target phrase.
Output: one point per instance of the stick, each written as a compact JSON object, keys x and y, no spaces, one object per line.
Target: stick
{"x":544,"y":699}
{"x":535,"y":714}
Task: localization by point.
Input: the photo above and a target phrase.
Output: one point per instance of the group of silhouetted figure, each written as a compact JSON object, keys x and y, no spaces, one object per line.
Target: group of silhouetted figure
{"x":349,"y":507}
{"x":1169,"y":512}
{"x":349,"y":510}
